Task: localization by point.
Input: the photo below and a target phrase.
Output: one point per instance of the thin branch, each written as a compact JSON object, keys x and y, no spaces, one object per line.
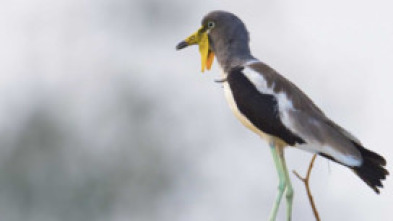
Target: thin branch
{"x":306,"y":181}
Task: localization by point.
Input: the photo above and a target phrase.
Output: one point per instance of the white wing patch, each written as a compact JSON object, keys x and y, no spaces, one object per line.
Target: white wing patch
{"x":284,"y":104}
{"x":286,"y":112}
{"x":314,"y":147}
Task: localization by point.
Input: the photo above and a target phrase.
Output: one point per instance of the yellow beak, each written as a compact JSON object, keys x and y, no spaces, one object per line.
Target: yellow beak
{"x":201,"y":38}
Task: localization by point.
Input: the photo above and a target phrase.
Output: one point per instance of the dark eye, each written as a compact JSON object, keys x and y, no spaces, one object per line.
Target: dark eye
{"x":210,"y":25}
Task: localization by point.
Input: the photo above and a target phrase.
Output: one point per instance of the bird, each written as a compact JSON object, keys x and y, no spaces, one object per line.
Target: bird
{"x":276,"y":109}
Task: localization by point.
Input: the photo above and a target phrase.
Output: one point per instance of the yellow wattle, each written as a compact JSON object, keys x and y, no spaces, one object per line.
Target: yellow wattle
{"x":204,"y":50}
{"x":201,"y":38}
{"x":210,"y":58}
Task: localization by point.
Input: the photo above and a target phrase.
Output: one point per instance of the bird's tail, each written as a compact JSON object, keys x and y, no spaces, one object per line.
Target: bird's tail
{"x":372,"y":170}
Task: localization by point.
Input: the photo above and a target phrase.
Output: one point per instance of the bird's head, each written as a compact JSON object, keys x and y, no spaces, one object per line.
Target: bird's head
{"x":223,"y":35}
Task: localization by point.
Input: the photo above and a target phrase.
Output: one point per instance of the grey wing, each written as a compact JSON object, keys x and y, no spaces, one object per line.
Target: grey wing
{"x":306,"y":120}
{"x":322,"y":134}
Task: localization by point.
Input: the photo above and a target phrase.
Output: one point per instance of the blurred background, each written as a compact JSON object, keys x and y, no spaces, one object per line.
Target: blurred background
{"x":102,"y":119}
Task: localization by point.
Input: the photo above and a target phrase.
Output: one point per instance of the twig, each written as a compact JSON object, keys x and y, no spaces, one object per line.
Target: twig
{"x":306,"y":183}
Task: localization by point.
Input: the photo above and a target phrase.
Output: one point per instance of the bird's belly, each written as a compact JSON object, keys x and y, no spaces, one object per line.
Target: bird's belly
{"x":243,"y":119}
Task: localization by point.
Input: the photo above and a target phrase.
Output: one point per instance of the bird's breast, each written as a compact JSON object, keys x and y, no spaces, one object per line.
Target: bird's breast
{"x":239,"y":115}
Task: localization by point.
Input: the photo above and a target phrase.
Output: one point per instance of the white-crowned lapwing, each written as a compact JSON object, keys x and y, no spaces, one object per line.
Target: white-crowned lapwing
{"x":276,"y":109}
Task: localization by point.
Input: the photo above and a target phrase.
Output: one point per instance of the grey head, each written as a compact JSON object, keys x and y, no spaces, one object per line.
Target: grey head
{"x":229,"y":38}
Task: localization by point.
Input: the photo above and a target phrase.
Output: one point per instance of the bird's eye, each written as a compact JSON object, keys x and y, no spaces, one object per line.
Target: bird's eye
{"x":210,"y":24}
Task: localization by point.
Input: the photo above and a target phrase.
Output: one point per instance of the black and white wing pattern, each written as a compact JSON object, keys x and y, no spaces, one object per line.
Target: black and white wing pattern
{"x":261,"y":109}
{"x":276,"y":107}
